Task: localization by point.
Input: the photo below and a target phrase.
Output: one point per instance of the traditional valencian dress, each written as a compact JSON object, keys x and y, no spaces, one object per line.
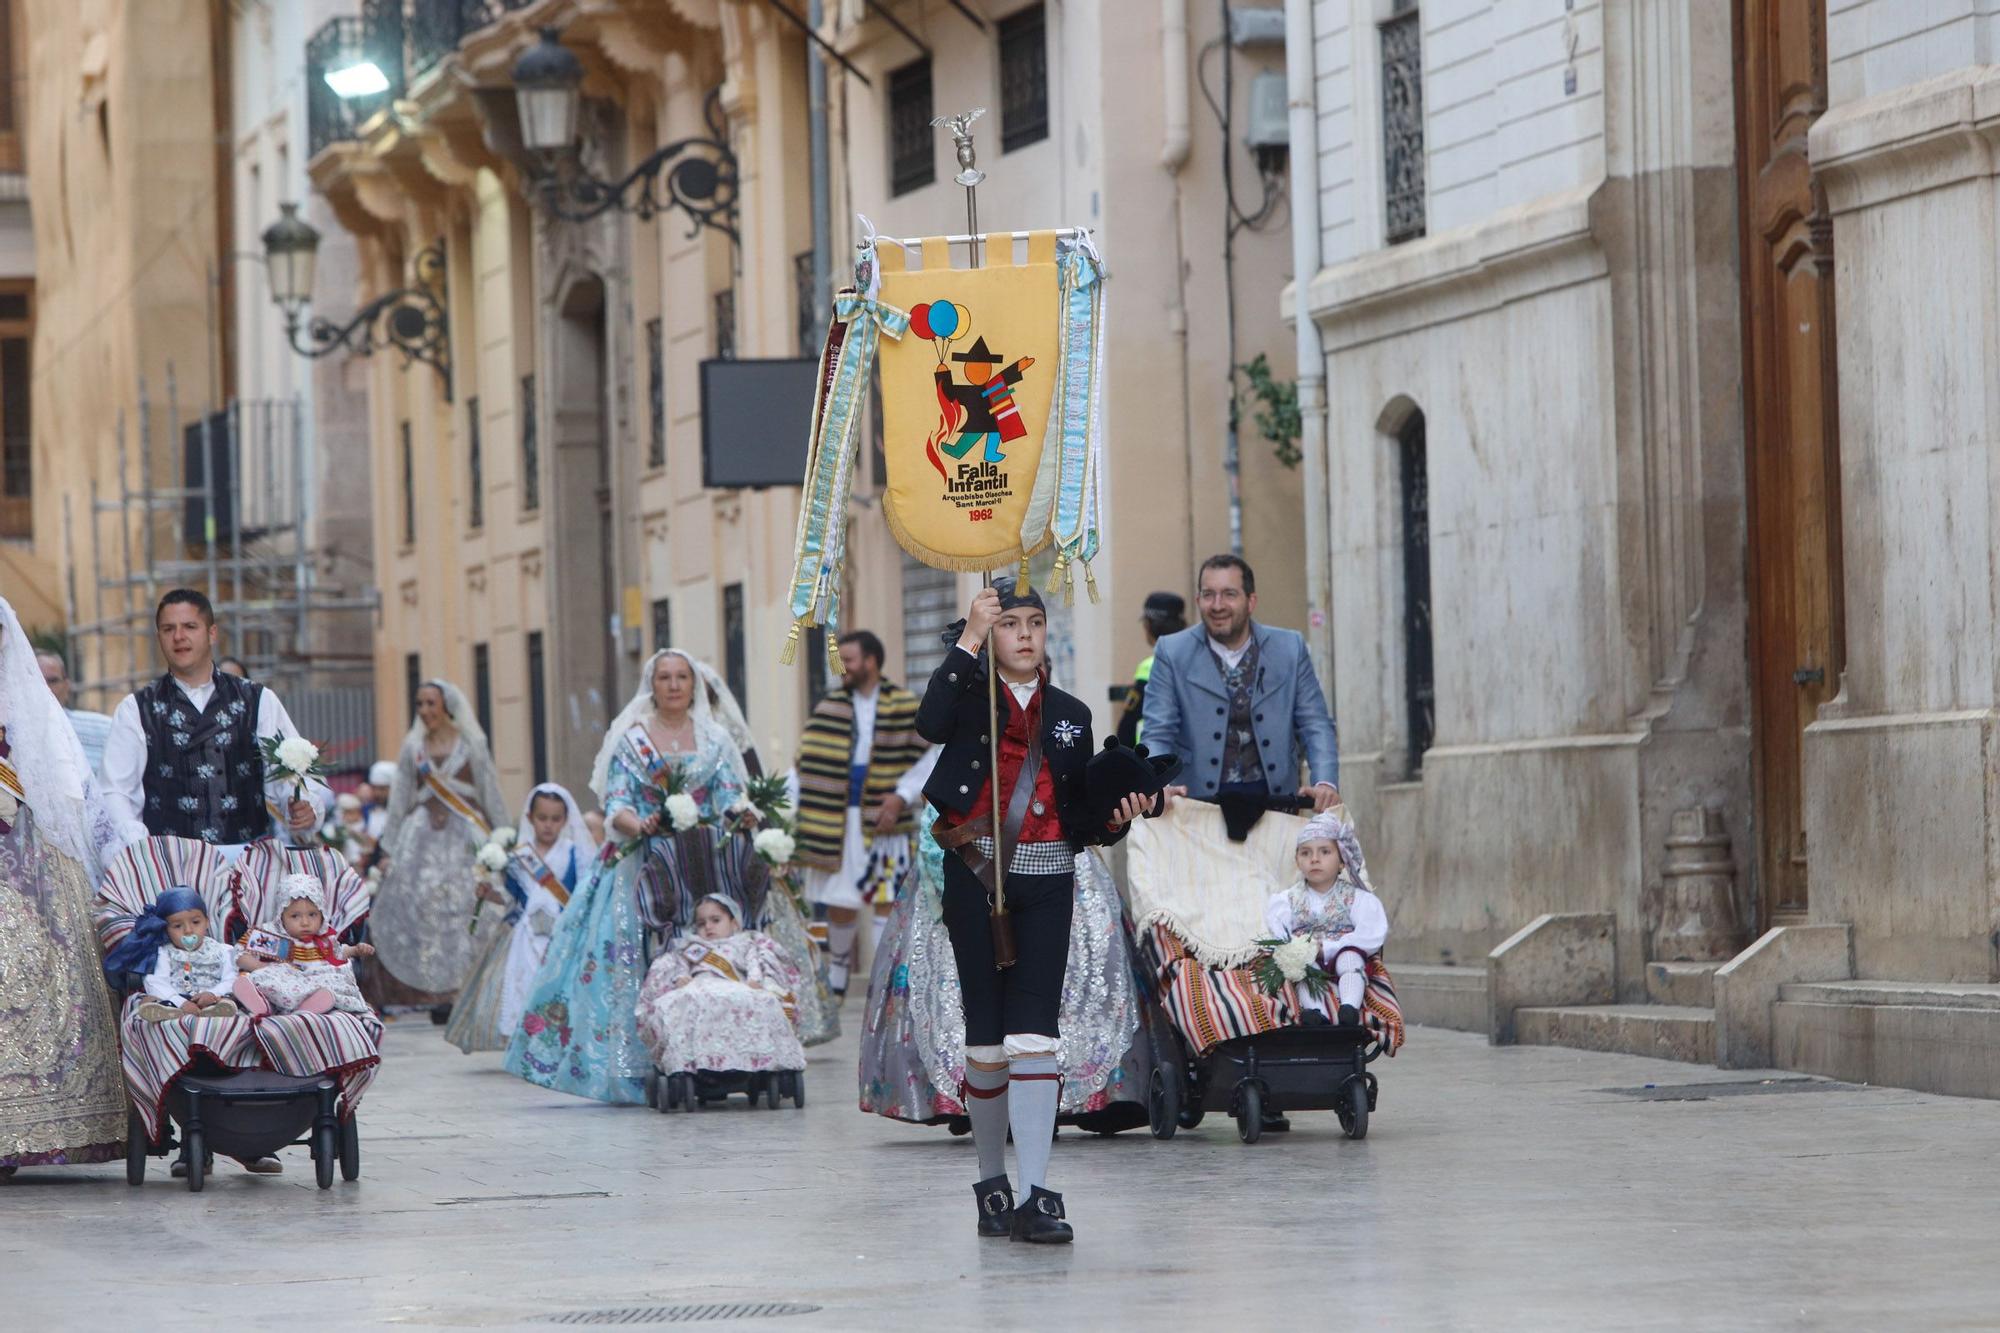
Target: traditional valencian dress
{"x":439,"y":815}
{"x":580,"y":1030}
{"x":733,"y":1011}
{"x":538,"y":887}
{"x":62,"y":1097}
{"x":1349,"y":924}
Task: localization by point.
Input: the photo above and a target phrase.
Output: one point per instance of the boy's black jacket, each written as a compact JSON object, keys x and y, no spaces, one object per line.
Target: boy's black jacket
{"x":953,"y":714}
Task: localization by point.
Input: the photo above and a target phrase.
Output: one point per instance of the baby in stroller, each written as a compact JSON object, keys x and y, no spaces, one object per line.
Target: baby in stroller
{"x":1331,"y":905}
{"x":297,"y":965}
{"x":722,"y":999}
{"x":187,"y":970}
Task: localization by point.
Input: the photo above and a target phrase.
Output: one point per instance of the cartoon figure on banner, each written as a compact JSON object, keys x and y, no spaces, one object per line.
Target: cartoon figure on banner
{"x":982,"y":409}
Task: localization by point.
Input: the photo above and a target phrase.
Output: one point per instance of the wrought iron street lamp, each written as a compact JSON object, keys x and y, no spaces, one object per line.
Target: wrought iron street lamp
{"x":697,"y":175}
{"x":411,"y":319}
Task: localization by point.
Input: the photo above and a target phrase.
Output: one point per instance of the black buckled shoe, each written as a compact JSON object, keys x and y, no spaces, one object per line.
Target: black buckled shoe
{"x":1350,"y":1017}
{"x":1039,"y":1221}
{"x":1314,"y":1018}
{"x":996,"y":1206}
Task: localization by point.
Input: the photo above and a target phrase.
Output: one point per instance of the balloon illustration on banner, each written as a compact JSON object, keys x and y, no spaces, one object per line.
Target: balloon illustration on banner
{"x":943,"y":322}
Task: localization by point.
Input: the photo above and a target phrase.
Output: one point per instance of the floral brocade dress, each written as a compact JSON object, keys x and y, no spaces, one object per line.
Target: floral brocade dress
{"x":580,"y":1031}
{"x":62,"y":1095}
{"x":714,"y":1005}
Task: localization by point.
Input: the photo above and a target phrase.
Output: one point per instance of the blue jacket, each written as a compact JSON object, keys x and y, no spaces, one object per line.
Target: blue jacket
{"x":1187,"y":705}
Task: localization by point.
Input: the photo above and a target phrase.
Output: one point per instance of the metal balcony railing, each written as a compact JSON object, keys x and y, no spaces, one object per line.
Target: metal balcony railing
{"x":405,"y":39}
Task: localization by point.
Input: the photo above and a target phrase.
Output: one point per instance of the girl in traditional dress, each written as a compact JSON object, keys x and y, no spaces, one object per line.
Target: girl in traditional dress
{"x":721,"y":998}
{"x":62,"y":1095}
{"x":313,"y":977}
{"x":441,"y":809}
{"x":1331,"y":904}
{"x":543,"y":870}
{"x":580,"y":1030}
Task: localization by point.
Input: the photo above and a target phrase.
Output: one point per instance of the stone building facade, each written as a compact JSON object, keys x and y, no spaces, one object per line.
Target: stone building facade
{"x":554,"y":526}
{"x":1660,"y":513}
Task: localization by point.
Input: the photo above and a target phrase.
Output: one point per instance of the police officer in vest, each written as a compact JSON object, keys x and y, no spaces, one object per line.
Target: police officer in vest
{"x":184,"y":757}
{"x":1164,"y":613}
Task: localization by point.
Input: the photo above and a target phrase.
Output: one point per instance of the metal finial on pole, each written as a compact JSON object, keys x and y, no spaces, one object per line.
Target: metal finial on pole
{"x":969,"y":175}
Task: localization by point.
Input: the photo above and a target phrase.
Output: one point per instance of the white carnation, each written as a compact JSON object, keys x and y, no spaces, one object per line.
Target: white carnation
{"x":775,"y":845}
{"x":1294,"y":956}
{"x":297,"y":754}
{"x":493,"y":857}
{"x":682,"y":812}
{"x":505,"y":836}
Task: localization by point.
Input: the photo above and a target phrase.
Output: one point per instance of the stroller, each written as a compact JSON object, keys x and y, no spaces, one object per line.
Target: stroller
{"x":1225,"y":1044}
{"x":243,"y":1087}
{"x":698,"y":862}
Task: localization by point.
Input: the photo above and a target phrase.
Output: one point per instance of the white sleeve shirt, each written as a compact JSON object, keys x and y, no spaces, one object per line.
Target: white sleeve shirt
{"x":911,"y":789}
{"x":125,"y":756}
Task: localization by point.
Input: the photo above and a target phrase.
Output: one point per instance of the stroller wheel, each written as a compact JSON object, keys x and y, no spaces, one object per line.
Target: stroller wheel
{"x":653,"y":1091}
{"x":135,"y":1147}
{"x":798,"y":1088}
{"x":689,"y":1101}
{"x":1354,"y":1114}
{"x":1163,"y":1104}
{"x":1250,"y":1113}
{"x":771,"y":1092}
{"x":197,"y":1159}
{"x":326,"y":1155}
{"x":350,"y":1148}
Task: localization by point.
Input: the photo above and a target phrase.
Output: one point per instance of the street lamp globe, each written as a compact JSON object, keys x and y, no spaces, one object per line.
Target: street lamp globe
{"x":291,"y":248}
{"x":546,"y":79}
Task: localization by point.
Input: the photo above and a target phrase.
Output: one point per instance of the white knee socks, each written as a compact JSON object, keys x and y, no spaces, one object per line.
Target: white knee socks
{"x":1032,"y":1096}
{"x":1351,"y":976}
{"x":986,"y":1103}
{"x":840,"y":952}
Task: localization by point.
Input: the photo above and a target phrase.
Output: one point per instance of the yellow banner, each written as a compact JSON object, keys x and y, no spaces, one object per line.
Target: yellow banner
{"x":965,"y":398}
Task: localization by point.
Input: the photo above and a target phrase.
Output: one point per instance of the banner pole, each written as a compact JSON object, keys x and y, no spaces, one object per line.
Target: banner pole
{"x":969,"y":176}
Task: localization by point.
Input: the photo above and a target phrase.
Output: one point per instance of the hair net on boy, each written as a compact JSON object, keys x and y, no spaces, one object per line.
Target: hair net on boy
{"x":1334,"y":826}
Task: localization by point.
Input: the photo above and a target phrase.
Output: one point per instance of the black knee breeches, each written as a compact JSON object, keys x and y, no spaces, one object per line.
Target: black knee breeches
{"x":1027,"y":997}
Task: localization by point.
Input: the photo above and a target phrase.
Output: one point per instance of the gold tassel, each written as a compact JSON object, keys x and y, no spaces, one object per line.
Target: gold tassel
{"x":1023,"y":584}
{"x":790,"y":653}
{"x":833,"y":655}
{"x":1090,"y":581}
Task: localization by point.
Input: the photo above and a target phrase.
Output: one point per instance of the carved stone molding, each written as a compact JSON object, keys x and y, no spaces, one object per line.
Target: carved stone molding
{"x":531,"y":565}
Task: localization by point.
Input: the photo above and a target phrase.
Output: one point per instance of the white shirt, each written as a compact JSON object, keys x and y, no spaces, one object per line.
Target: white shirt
{"x":1231,"y":656}
{"x":216,"y":958}
{"x":1024,"y":692}
{"x":125,"y":756}
{"x":1371,"y":920}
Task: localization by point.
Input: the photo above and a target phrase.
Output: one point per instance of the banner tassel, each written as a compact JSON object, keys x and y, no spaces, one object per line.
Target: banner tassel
{"x":1090,"y":581}
{"x":790,"y":653}
{"x":1023,"y":583}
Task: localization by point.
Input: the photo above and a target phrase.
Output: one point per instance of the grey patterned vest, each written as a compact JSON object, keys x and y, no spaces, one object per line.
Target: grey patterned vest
{"x":204,"y":772}
{"x":1242,"y":760}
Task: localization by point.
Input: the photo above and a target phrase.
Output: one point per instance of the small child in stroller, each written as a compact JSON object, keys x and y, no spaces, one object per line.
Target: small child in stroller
{"x":721,"y":999}
{"x":297,"y":965}
{"x":1332,"y":904}
{"x":188,"y":971}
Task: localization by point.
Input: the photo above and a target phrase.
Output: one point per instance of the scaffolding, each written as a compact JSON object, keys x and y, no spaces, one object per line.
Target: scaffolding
{"x":240,"y":527}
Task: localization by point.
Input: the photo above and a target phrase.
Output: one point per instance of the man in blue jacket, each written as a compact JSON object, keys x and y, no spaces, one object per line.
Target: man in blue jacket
{"x":1238,"y":702}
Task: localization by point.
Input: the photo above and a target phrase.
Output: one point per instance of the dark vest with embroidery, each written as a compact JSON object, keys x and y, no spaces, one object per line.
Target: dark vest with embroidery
{"x":204,"y":772}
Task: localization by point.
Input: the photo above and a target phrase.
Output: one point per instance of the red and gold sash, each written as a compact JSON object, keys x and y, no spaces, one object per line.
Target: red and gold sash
{"x":10,"y":782}
{"x":538,"y":870}
{"x":698,"y":954}
{"x":453,"y":802}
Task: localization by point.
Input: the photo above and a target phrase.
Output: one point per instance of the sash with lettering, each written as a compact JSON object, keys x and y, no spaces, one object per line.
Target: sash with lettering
{"x":532,"y":865}
{"x":645,"y":757}
{"x":453,"y":802}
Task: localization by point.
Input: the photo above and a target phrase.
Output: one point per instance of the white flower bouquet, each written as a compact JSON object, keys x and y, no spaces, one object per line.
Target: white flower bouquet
{"x":490,"y":860}
{"x":1293,"y":962}
{"x":682,"y":812}
{"x":504,"y":837}
{"x":292,"y":759}
{"x":775,"y":845}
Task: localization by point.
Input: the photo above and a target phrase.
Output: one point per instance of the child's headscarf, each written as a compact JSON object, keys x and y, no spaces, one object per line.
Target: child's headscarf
{"x":307,"y":888}
{"x":727,"y":904}
{"x":136,"y":952}
{"x":1334,"y":826}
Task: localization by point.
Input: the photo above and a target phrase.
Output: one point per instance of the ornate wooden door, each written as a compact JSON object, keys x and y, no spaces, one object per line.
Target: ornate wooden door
{"x":1791,"y":423}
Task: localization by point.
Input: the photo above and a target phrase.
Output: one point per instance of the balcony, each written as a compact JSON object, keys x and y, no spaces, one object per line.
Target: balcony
{"x":404,"y":39}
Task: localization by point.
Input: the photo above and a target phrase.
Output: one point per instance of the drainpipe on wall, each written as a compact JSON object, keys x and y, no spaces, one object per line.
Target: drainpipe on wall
{"x":1299,"y":89}
{"x":822,"y":209}
{"x":1174,"y":156}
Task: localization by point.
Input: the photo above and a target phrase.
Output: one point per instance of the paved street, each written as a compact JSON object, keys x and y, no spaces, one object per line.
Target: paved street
{"x":1498,"y":1189}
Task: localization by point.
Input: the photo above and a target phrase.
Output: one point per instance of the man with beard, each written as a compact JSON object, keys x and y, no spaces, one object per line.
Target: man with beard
{"x":861,"y":768}
{"x":1238,"y":702}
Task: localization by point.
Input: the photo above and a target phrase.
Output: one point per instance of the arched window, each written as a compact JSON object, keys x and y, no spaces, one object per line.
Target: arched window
{"x":1419,"y":678}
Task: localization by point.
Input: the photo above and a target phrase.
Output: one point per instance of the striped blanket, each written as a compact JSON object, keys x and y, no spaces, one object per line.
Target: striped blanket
{"x":156,"y":1054}
{"x":1211,"y":1005}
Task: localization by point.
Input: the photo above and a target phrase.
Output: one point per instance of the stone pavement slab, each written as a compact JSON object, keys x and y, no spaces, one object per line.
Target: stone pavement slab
{"x":1499,"y":1188}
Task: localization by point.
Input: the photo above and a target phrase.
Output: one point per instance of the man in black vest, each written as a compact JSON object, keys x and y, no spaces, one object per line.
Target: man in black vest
{"x":184,"y":754}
